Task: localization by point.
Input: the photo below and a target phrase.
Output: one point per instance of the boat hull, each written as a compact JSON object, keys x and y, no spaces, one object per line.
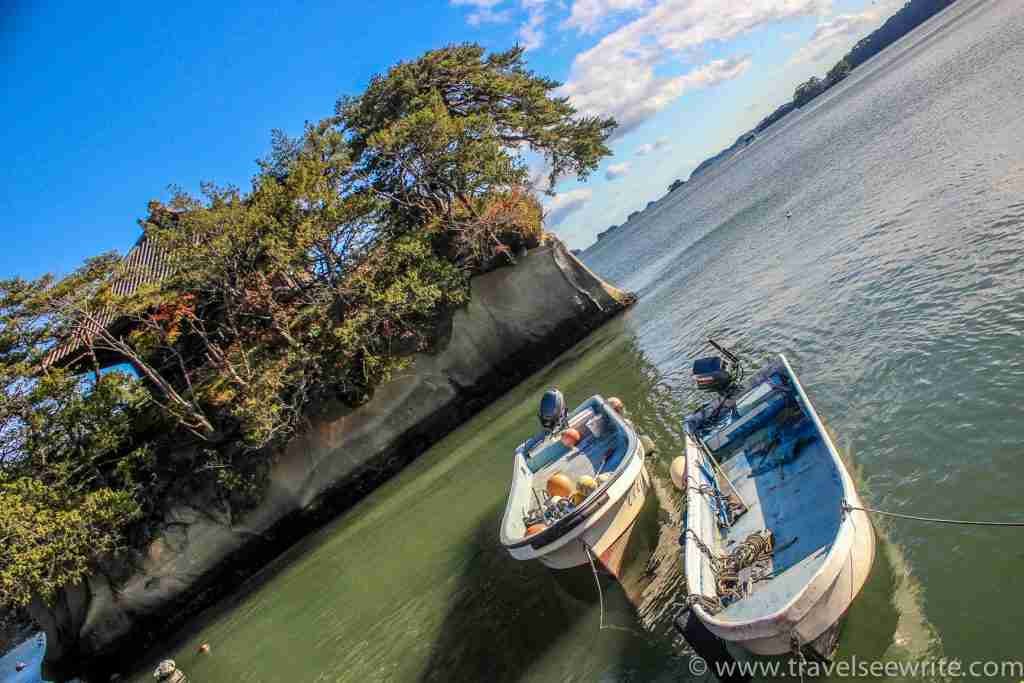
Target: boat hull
{"x":810,"y":616}
{"x":608,"y":537}
{"x":605,"y":534}
{"x":828,"y":610}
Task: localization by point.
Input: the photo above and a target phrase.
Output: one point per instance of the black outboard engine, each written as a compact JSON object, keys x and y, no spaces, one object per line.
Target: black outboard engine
{"x":552,"y":411}
{"x":716,"y":373}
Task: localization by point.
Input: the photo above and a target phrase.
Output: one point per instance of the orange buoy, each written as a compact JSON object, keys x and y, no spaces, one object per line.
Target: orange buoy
{"x":536,"y":528}
{"x":570,"y":437}
{"x":617,"y":405}
{"x":560,"y":485}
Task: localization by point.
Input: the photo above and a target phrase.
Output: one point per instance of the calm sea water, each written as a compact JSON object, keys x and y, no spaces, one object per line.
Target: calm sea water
{"x":896,"y":291}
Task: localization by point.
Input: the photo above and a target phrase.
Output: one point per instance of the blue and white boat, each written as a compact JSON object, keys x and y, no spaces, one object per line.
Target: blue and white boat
{"x":595,"y":456}
{"x":773,"y":556}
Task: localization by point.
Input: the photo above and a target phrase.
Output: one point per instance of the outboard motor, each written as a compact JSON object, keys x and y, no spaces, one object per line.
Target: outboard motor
{"x":552,"y":411}
{"x":716,"y":373}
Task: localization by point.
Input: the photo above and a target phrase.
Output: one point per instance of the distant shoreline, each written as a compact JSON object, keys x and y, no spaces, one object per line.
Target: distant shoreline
{"x":905,"y":20}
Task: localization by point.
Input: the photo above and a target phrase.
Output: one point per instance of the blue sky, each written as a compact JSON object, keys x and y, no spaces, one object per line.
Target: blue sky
{"x":108,"y":106}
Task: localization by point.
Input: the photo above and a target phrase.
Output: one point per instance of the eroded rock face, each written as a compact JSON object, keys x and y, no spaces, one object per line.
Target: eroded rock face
{"x":518,"y":319}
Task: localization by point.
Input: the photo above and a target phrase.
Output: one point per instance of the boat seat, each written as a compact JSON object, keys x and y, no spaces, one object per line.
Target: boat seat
{"x":585,"y":459}
{"x":755,"y":417}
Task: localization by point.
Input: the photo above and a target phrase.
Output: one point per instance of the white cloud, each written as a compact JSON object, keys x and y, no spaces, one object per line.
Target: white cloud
{"x":488,"y":16}
{"x":640,"y":94}
{"x":616,"y":171}
{"x":618,"y":76}
{"x":648,"y":147}
{"x":565,"y":203}
{"x":586,"y":15}
{"x":839,"y":31}
{"x":531,"y":32}
{"x":484,"y":12}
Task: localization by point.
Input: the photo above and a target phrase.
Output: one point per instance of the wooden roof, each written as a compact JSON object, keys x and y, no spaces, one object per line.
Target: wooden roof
{"x":144,"y":264}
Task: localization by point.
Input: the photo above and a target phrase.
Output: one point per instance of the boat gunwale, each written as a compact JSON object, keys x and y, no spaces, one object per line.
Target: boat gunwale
{"x":803,"y":600}
{"x":596,"y":501}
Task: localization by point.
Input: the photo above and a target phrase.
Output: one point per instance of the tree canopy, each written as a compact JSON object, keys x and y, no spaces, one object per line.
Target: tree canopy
{"x":354,"y":242}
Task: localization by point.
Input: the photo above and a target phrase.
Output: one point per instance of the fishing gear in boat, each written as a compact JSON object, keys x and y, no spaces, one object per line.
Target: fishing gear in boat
{"x":728,"y":508}
{"x":561,"y":497}
{"x":753,"y":552}
{"x":737,"y":510}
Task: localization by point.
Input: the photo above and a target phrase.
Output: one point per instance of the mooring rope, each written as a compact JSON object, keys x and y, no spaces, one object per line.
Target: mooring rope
{"x":600,"y":594}
{"x":597,"y":582}
{"x":936,"y":520}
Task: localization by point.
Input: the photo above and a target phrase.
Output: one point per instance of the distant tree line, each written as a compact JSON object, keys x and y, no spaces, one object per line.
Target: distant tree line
{"x":906,"y":19}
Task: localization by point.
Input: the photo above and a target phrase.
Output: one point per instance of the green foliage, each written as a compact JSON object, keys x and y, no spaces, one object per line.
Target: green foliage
{"x":70,"y":466}
{"x":343,"y":259}
{"x":839,"y":71}
{"x":390,"y":305}
{"x":808,"y":90}
{"x":52,"y":535}
{"x":452,"y":125}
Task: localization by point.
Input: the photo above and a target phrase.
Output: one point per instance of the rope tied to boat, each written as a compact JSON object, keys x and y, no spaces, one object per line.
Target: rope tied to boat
{"x":600,"y":593}
{"x":936,"y":520}
{"x":728,"y":507}
{"x":755,"y":549}
{"x":796,"y":649}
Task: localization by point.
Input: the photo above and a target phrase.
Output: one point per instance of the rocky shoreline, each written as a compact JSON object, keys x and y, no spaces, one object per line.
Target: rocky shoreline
{"x":519,"y":318}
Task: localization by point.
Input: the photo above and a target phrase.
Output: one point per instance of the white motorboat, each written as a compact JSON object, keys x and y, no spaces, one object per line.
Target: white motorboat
{"x":773,"y":554}
{"x":577,"y":488}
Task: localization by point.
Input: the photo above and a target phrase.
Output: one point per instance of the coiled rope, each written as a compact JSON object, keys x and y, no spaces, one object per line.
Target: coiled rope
{"x":752,"y":552}
{"x":936,"y":520}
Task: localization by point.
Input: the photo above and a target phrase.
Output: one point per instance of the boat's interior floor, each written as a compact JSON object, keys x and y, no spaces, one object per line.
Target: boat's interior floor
{"x":595,"y":455}
{"x":799,"y":502}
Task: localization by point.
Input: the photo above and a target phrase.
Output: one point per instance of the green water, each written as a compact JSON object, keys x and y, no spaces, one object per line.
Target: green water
{"x":894,"y":289}
{"x":412,"y":584}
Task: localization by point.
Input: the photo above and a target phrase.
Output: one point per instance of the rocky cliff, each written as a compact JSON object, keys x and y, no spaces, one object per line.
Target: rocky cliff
{"x":518,"y":319}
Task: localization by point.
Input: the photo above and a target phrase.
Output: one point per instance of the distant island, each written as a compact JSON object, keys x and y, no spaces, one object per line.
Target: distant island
{"x":906,"y":19}
{"x":630,"y":217}
{"x":611,"y":229}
